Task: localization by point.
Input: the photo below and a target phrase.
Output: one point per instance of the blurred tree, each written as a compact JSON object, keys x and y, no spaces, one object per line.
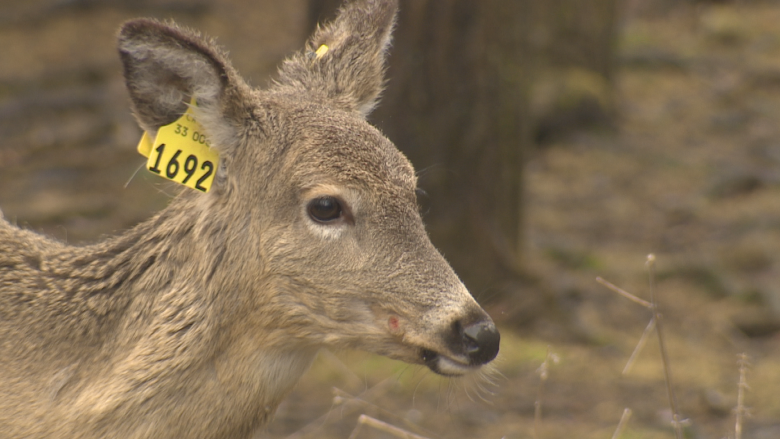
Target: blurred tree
{"x":458,"y":104}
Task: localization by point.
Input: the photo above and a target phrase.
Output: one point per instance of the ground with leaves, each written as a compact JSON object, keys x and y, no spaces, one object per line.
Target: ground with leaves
{"x":690,"y":174}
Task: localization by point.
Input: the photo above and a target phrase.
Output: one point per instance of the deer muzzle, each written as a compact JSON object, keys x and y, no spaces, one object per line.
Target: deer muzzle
{"x":471,"y":345}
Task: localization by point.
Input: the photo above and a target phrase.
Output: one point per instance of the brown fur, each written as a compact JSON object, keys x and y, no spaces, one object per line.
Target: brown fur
{"x":197,"y":322}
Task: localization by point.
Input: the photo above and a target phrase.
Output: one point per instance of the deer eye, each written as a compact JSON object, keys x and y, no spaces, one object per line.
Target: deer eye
{"x":325,"y":209}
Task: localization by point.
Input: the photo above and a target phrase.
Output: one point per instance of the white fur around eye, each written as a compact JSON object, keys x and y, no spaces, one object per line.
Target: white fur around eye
{"x":328,"y":232}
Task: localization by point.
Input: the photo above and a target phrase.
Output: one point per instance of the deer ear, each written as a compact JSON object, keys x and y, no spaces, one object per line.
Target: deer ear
{"x":344,"y":61}
{"x":165,"y":66}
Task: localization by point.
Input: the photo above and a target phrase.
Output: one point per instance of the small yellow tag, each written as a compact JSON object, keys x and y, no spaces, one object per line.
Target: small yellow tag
{"x":145,"y":145}
{"x":322,"y":50}
{"x":181,"y":152}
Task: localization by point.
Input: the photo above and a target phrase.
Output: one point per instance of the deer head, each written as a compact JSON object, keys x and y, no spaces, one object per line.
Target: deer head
{"x":312,"y":218}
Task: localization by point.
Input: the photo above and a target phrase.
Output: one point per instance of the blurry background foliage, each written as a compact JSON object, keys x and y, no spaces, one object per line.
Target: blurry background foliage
{"x":556,"y":140}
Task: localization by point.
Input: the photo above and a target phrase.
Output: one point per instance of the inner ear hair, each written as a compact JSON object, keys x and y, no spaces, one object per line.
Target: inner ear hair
{"x":165,"y":66}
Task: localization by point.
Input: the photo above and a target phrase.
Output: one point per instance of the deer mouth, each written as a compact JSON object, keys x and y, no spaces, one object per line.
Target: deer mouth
{"x":444,"y":365}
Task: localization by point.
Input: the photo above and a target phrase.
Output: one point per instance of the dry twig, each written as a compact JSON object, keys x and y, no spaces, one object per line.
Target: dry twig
{"x":623,"y":292}
{"x":382,"y":426}
{"x":741,"y":411}
{"x":639,"y":346}
{"x":622,"y":424}
{"x":676,"y":421}
{"x":655,"y":323}
{"x":346,"y":404}
{"x":544,"y":373}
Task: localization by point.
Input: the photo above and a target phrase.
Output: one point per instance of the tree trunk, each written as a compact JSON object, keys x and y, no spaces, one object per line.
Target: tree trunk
{"x":455,"y":104}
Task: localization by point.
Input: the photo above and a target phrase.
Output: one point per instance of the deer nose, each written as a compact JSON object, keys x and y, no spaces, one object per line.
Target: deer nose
{"x":480,"y":342}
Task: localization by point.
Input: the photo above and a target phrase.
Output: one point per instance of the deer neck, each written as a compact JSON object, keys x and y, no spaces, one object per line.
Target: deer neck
{"x":181,"y":317}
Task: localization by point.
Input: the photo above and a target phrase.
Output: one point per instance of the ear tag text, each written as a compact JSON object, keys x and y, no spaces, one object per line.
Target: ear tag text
{"x":181,"y":152}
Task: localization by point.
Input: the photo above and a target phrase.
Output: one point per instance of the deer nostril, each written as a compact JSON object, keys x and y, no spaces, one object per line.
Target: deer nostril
{"x":481,"y":341}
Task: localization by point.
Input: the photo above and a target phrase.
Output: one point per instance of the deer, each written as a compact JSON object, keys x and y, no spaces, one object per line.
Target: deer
{"x":198,"y":321}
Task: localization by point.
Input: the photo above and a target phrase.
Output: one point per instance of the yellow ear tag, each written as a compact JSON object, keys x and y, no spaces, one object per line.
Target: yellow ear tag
{"x":145,"y":145}
{"x":181,"y":152}
{"x":322,"y":50}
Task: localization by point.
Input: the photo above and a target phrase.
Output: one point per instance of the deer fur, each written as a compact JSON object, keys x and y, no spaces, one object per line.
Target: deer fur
{"x":197,"y":322}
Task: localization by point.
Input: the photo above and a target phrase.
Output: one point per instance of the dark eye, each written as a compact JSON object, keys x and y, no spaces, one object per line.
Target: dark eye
{"x":325,"y":209}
